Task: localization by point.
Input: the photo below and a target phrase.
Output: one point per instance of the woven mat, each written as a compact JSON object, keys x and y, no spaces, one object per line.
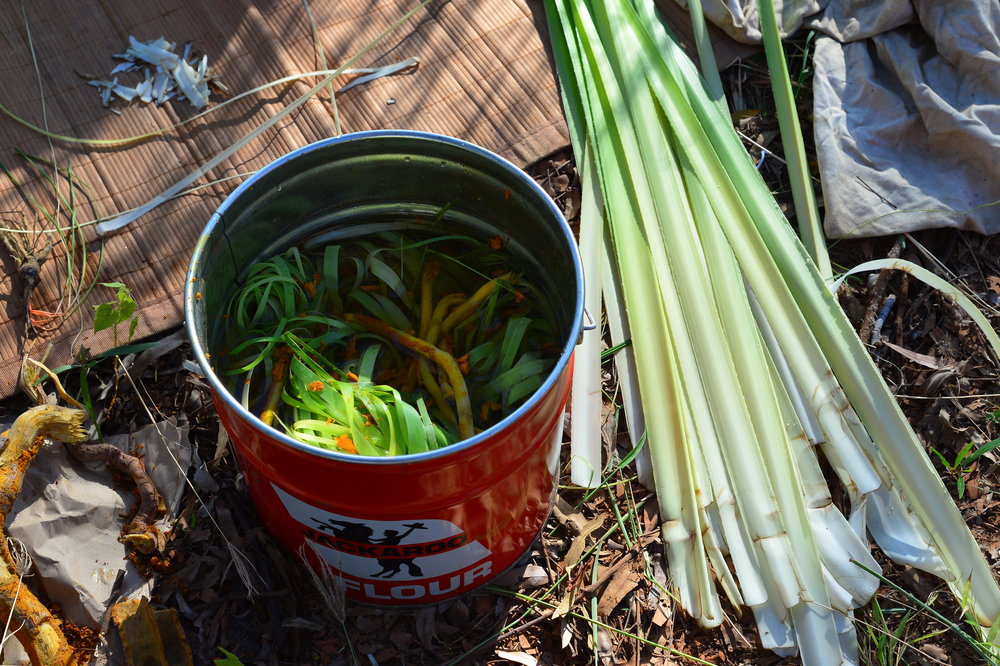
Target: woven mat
{"x":483,"y":76}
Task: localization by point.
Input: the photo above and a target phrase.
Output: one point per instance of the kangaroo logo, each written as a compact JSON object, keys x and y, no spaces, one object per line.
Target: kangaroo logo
{"x":361,"y":533}
{"x":381,"y":559}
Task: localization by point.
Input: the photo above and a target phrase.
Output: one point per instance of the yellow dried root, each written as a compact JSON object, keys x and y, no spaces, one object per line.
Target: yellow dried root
{"x":443,"y":359}
{"x":473,"y":302}
{"x":39,"y":631}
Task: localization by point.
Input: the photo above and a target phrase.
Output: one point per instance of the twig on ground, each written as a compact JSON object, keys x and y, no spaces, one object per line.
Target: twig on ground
{"x":141,"y":533}
{"x":877,"y":292}
{"x":60,"y":391}
{"x":29,"y":266}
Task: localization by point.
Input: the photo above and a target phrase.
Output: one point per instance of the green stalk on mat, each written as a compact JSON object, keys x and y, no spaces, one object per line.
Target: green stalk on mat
{"x":745,"y":364}
{"x":322,"y":62}
{"x":128,"y":141}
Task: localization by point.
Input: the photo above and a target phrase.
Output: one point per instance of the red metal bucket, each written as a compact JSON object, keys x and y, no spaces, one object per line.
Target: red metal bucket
{"x":418,"y":528}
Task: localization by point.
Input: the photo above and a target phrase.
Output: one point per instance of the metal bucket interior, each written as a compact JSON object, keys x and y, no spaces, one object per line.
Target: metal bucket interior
{"x":475,"y":505}
{"x":332,"y":190}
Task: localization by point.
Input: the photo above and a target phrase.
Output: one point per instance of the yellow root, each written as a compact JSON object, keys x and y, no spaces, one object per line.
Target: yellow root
{"x":430,"y":272}
{"x":440,"y":310}
{"x":444,"y":360}
{"x":40,"y":634}
{"x":430,"y":383}
{"x":279,"y":376}
{"x":474,"y":301}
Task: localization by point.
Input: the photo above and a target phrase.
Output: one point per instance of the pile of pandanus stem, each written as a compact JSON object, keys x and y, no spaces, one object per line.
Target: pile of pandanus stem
{"x":748,"y":377}
{"x":38,"y":631}
{"x":330,"y":350}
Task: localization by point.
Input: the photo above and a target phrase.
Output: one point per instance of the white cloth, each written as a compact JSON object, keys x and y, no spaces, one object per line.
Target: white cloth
{"x":906,"y":108}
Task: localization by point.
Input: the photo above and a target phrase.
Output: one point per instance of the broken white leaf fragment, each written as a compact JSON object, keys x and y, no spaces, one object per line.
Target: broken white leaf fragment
{"x":166,"y":73}
{"x":159,"y":52}
{"x":108,"y":88}
{"x":191,"y":86}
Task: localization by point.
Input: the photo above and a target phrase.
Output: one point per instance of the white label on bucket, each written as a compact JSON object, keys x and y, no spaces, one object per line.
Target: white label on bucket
{"x":403,"y":560}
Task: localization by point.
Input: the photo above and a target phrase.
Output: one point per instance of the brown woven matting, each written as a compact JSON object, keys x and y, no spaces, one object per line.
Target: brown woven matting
{"x":484,"y":76}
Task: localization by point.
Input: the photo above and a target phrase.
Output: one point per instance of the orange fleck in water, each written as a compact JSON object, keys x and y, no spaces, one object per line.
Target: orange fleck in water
{"x":310,"y":286}
{"x":487,"y":408}
{"x":506,"y":194}
{"x":197,"y":296}
{"x":316,"y":386}
{"x":496,"y":243}
{"x":282,"y":355}
{"x":345,"y":443}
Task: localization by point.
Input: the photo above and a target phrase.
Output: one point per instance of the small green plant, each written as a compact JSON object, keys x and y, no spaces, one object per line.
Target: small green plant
{"x":993,"y":417}
{"x":118,"y":311}
{"x":230,"y":659}
{"x":889,"y":634}
{"x":964,"y":462}
{"x":982,"y":640}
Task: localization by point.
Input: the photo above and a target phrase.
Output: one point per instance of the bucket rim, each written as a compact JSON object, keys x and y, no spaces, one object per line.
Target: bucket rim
{"x":192,"y":295}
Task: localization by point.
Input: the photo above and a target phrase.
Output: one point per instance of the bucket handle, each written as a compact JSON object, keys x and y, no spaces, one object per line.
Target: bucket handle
{"x":589,"y":324}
